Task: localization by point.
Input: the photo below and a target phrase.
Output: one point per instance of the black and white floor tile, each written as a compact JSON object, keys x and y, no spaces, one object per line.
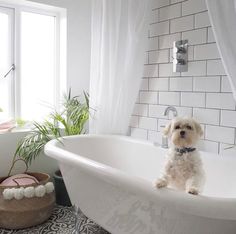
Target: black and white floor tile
{"x":62,"y":221}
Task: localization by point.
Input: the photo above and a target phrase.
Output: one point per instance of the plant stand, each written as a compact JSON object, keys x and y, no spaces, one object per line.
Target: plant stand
{"x":62,"y":197}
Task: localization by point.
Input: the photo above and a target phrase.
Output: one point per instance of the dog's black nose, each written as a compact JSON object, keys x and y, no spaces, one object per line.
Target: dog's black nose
{"x":182,"y":133}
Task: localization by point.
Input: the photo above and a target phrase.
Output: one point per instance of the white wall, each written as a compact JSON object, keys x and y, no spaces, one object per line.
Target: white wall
{"x":78,"y":70}
{"x":203,"y":92}
{"x":8,"y":143}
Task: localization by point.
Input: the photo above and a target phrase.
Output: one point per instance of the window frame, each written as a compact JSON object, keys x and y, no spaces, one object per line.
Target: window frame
{"x":59,"y":50}
{"x":11,"y":13}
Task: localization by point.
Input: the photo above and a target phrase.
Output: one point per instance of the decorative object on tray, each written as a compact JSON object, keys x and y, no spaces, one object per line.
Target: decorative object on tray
{"x":26,"y":199}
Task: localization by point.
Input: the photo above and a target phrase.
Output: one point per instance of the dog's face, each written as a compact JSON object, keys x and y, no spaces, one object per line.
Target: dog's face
{"x":183,"y":132}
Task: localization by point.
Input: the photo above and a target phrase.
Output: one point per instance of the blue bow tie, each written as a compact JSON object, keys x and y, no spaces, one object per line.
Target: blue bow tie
{"x":184,"y":150}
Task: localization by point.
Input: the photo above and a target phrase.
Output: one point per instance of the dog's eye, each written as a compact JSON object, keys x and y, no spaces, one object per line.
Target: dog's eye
{"x":189,"y":127}
{"x":177,"y":127}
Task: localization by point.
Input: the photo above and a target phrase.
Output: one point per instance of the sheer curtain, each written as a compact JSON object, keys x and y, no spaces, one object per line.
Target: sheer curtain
{"x":119,"y":39}
{"x":223,"y":20}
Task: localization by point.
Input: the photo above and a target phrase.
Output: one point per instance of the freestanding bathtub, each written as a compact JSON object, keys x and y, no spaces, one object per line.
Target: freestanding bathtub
{"x":111,"y":179}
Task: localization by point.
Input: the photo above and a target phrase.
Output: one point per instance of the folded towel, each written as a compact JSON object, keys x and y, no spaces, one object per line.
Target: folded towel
{"x":7,"y":125}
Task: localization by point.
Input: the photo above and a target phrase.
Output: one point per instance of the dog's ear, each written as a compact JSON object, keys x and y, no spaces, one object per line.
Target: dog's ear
{"x":166,"y":130}
{"x":198,"y":128}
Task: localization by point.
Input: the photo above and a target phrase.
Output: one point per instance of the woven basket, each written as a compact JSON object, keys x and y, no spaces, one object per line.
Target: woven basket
{"x":27,"y":212}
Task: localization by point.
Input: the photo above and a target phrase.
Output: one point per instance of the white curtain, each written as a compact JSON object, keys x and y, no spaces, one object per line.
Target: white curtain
{"x":223,"y":20}
{"x":119,"y":39}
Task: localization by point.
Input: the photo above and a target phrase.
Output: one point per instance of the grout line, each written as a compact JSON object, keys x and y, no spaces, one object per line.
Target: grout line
{"x":182,"y":16}
{"x":189,"y":30}
{"x":220,"y":117}
{"x":207,"y":35}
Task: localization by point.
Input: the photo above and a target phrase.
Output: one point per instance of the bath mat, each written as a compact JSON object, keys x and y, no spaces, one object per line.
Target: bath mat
{"x":62,"y":221}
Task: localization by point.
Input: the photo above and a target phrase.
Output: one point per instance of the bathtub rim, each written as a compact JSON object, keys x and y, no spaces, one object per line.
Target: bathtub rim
{"x":204,"y":206}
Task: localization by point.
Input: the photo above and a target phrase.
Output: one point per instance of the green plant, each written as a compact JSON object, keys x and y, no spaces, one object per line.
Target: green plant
{"x":69,"y":121}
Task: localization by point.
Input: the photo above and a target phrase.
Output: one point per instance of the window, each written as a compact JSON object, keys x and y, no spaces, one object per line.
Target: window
{"x":30,"y":62}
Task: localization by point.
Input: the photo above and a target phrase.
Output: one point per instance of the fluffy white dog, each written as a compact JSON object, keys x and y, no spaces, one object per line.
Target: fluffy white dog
{"x":183,"y":168}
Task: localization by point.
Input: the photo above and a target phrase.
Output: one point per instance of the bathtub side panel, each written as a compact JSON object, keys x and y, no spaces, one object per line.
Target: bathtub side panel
{"x":122,"y":212}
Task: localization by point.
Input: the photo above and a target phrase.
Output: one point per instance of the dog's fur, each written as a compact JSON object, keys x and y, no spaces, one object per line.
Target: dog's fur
{"x":183,"y":171}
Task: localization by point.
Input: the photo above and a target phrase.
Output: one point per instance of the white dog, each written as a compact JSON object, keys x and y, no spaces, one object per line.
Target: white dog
{"x":183,"y":168}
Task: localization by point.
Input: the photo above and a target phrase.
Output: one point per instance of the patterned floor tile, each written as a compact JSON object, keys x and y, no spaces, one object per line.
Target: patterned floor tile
{"x":62,"y":221}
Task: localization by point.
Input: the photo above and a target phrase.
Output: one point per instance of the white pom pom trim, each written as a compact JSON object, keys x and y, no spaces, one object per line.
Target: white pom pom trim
{"x":28,"y":192}
{"x":19,"y":193}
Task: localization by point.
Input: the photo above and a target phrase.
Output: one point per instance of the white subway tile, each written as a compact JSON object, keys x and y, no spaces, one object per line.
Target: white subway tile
{"x":139,"y":133}
{"x":162,"y":123}
{"x":202,"y":20}
{"x":195,"y":68}
{"x":181,"y":84}
{"x":155,"y":136}
{"x":167,"y":70}
{"x":225,"y":86}
{"x":140,"y":109}
{"x":193,"y":6}
{"x":148,"y":97}
{"x":144,"y":84}
{"x":150,"y":71}
{"x":193,"y":99}
{"x":190,"y":53}
{"x":181,"y":24}
{"x":209,"y":146}
{"x":159,"y":29}
{"x":220,"y":134}
{"x":206,"y":84}
{"x":227,"y":149}
{"x":166,"y":41}
{"x":153,"y":43}
{"x":228,"y":118}
{"x":170,"y":12}
{"x":210,"y":35}
{"x":160,"y":56}
{"x":207,"y":51}
{"x":158,"y":84}
{"x":160,"y":3}
{"x":197,"y":36}
{"x":134,"y":121}
{"x":215,"y":67}
{"x":148,"y":123}
{"x":220,"y":100}
{"x":146,"y":58}
{"x":154,"y":16}
{"x":207,"y":116}
{"x":169,"y":98}
{"x":184,"y":111}
{"x":157,"y":111}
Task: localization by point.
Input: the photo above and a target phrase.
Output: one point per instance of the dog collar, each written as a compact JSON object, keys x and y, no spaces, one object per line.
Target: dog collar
{"x":184,"y":150}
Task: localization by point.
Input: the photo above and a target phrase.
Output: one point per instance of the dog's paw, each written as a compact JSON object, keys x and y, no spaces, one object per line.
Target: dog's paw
{"x":160,"y":183}
{"x":193,"y":191}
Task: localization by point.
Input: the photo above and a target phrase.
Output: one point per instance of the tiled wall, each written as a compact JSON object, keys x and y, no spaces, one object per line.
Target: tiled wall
{"x":202,"y":92}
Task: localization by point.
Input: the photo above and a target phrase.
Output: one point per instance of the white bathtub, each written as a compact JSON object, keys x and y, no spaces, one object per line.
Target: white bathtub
{"x":110,"y":178}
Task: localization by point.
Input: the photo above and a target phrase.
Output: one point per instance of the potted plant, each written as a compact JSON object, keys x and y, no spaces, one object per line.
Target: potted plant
{"x":69,"y":121}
